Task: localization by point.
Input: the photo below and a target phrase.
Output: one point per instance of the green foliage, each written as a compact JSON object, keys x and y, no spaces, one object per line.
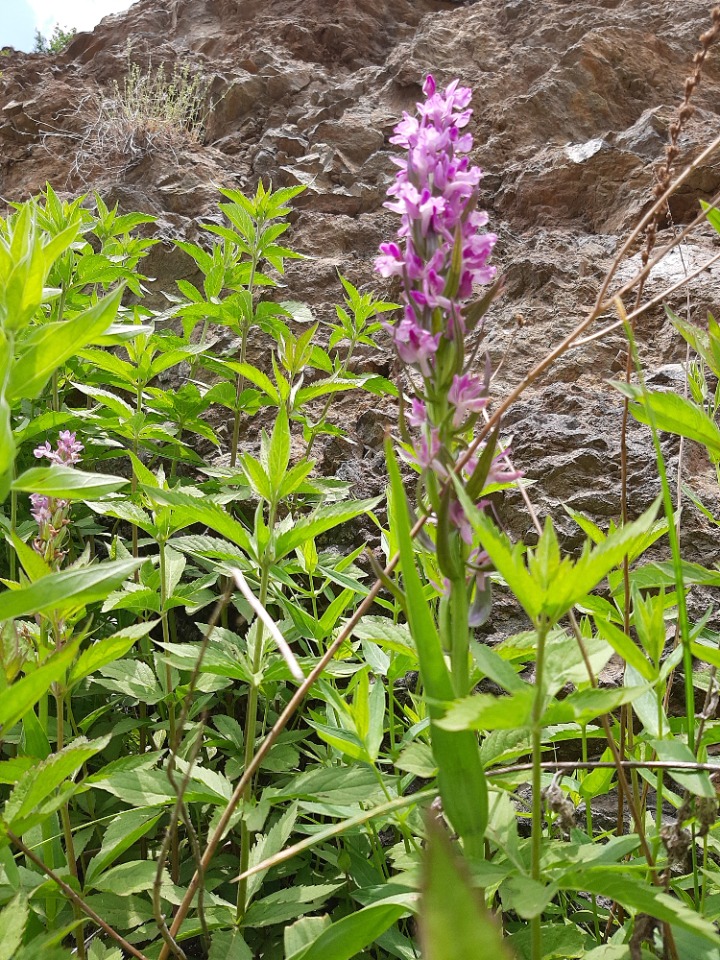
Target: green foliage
{"x":56,"y":42}
{"x":138,"y":685}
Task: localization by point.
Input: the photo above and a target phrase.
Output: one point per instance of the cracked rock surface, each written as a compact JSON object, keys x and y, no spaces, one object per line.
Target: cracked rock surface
{"x":572,"y":101}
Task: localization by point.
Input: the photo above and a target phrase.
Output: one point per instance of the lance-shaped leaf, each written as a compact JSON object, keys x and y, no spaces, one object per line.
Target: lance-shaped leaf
{"x":322,"y":519}
{"x":26,"y":804}
{"x":454,"y":921}
{"x":673,"y":414}
{"x":461,"y":779}
{"x":190,"y":510}
{"x":66,"y":482}
{"x":66,"y":590}
{"x":23,"y":694}
{"x":49,"y":346}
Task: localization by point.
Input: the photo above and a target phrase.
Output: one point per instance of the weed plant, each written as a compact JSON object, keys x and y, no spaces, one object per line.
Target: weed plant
{"x":150,"y":109}
{"x":224,"y":736}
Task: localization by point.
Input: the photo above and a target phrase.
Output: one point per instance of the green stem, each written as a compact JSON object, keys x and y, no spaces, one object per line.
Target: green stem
{"x":203,"y":337}
{"x":49,"y":839}
{"x":537,"y":811}
{"x":243,"y":352}
{"x":459,"y":637}
{"x":251,"y":723}
{"x":673,"y":540}
{"x":56,"y":376}
{"x":172,"y":726}
{"x":13,"y":528}
{"x":589,"y":828}
{"x":67,"y":832}
{"x":315,"y":431}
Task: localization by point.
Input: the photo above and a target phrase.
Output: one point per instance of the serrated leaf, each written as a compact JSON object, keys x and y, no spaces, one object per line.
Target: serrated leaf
{"x":21,"y":808}
{"x":121,"y":833}
{"x":323,"y":519}
{"x":673,"y":413}
{"x":13,"y":919}
{"x":107,"y":650}
{"x":66,"y":590}
{"x":49,"y":346}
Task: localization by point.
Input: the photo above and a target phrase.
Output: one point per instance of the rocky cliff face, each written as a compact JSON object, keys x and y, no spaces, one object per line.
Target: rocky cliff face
{"x":572,"y":101}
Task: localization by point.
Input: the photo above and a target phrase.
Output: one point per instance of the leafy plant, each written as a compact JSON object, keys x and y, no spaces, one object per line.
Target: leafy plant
{"x":56,"y":42}
{"x":220,"y":736}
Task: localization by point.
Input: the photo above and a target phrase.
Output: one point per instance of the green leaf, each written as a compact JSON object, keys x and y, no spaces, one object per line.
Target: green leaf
{"x":417,"y":758}
{"x":49,"y":346}
{"x":229,"y":945}
{"x":673,"y":413}
{"x":13,"y":919}
{"x":322,"y":519}
{"x":107,"y":650}
{"x":66,"y":482}
{"x":259,"y":379}
{"x":279,"y":451}
{"x":284,"y":905}
{"x":257,"y":477}
{"x":461,"y":778}
{"x":625,"y":647}
{"x":150,"y":788}
{"x":121,"y":833}
{"x":22,"y":809}
{"x":347,"y":937}
{"x":133,"y":678}
{"x":697,"y":782}
{"x":528,"y":898}
{"x":347,"y":742}
{"x":32,"y":563}
{"x":486,"y":712}
{"x":584,"y":706}
{"x":493,"y":666}
{"x":454,"y":922}
{"x":133,"y":876}
{"x":551,"y":584}
{"x":507,"y":559}
{"x":23,"y":694}
{"x":334,"y":784}
{"x":66,"y":590}
{"x":192,"y":510}
{"x":637,"y":895}
{"x":301,"y":934}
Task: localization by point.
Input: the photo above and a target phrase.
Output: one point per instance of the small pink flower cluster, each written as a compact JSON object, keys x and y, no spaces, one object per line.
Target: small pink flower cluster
{"x":50,"y":513}
{"x":435,"y":194}
{"x":441,"y":255}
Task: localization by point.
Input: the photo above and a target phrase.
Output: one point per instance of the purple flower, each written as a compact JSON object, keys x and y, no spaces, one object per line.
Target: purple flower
{"x":417,"y":417}
{"x":415,"y":345}
{"x":499,"y":472}
{"x":458,"y":518}
{"x":69,"y":447}
{"x":425,"y":454}
{"x":435,"y":192}
{"x":51,"y":514}
{"x":40,"y":509}
{"x":467,"y":395}
{"x":391,"y":263}
{"x":68,"y":450}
